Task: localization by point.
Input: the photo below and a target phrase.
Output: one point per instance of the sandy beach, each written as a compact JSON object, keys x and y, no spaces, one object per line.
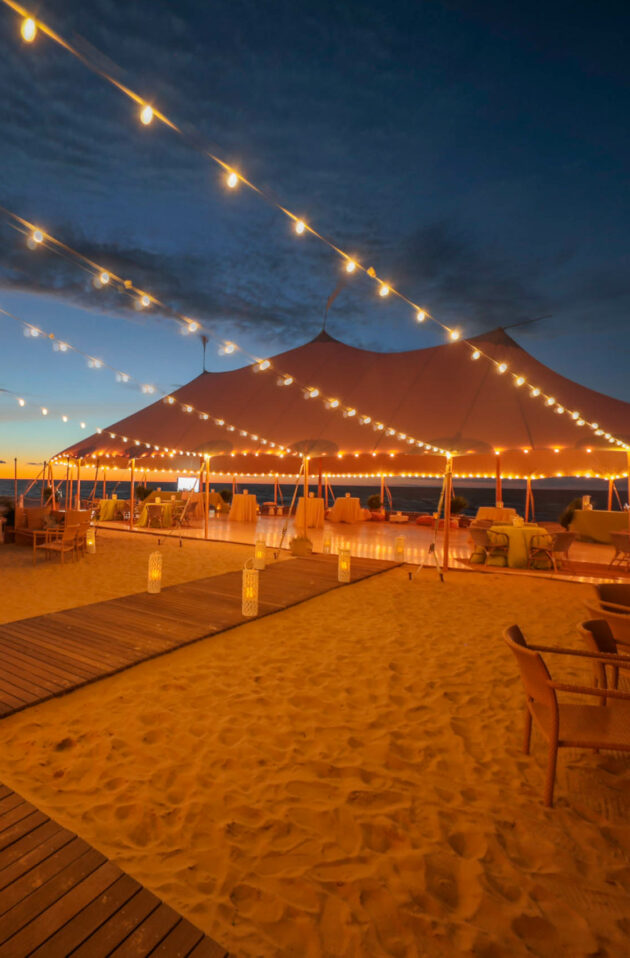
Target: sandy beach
{"x":344,"y":778}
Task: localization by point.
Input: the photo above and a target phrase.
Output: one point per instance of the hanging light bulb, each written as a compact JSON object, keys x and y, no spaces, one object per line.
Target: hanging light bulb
{"x":28,"y":30}
{"x":21,"y":402}
{"x":535,"y":392}
{"x":44,"y":411}
{"x":383,"y":290}
{"x":421,"y":316}
{"x":82,"y":425}
{"x":476,"y":354}
{"x":454,"y":334}
{"x":300,"y":226}
{"x":104,"y":278}
{"x":351,"y":266}
{"x":520,"y":380}
{"x":36,"y":238}
{"x":501,"y":368}
{"x":146,"y":114}
{"x":232,"y":179}
{"x":64,"y":419}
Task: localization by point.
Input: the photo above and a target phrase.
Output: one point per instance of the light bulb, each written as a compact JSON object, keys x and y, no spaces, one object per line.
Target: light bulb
{"x":384,"y":290}
{"x":44,"y":411}
{"x":351,"y":266}
{"x":265,"y":364}
{"x":520,"y":380}
{"x":64,"y":419}
{"x":232,"y":180}
{"x":82,"y":425}
{"x":454,"y":334}
{"x":300,"y":226}
{"x":37,"y":236}
{"x":146,"y":114}
{"x":21,"y":402}
{"x":535,"y":392}
{"x":28,"y":29}
{"x":476,"y":354}
{"x":421,"y":316}
{"x":145,"y":300}
{"x":502,"y":368}
{"x":104,"y":278}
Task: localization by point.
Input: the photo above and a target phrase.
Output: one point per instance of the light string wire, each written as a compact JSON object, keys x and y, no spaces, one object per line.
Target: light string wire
{"x":63,"y":346}
{"x":104,"y":277}
{"x":142,"y":299}
{"x":30,"y":26}
{"x":233,"y":177}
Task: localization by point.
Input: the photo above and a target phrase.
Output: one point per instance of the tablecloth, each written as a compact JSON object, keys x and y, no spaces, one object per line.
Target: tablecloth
{"x":314,"y":513}
{"x":243,"y":508}
{"x":495,"y":514}
{"x":111,"y":509}
{"x":595,"y":525}
{"x":347,"y":509}
{"x":153,"y":512}
{"x":519,"y":541}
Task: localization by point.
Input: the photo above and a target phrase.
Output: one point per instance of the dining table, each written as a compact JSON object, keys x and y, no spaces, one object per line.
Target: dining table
{"x":243,"y":508}
{"x":156,"y":513}
{"x":346,"y":509}
{"x":111,"y":509}
{"x":519,"y":542}
{"x":314,"y":513}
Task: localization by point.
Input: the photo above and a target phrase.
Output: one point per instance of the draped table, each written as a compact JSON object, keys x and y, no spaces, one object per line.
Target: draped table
{"x":162,"y":511}
{"x":243,"y":508}
{"x":519,"y":540}
{"x":314,"y":513}
{"x":595,"y":525}
{"x":109,"y":509}
{"x":347,"y":509}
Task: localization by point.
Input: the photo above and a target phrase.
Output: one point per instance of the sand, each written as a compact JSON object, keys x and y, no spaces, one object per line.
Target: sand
{"x":345,"y":779}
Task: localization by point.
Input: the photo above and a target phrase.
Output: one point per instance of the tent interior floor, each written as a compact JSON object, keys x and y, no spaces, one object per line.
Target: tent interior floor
{"x":377,"y":540}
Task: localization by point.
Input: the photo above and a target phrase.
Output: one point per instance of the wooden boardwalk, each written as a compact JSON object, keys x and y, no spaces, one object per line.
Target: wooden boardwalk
{"x":59,"y":896}
{"x":49,"y":655}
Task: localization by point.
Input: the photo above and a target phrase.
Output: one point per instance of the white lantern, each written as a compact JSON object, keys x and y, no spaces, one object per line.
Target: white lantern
{"x":343,"y":565}
{"x":399,"y":548}
{"x":260,"y":553}
{"x":90,"y":540}
{"x":327,"y":544}
{"x":154,"y":582}
{"x":249,"y":593}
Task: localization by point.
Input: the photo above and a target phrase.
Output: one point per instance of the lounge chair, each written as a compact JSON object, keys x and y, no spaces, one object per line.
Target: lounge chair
{"x":599,"y":638}
{"x":602,"y":726}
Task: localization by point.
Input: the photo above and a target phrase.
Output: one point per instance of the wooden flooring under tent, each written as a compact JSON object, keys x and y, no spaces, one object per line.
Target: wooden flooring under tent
{"x":49,"y":655}
{"x":59,"y":897}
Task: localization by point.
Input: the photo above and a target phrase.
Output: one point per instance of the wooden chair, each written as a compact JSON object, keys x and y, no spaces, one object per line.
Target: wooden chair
{"x":81,"y":537}
{"x":621,"y":542}
{"x":65,"y":542}
{"x":612,"y":603}
{"x":603,"y":726}
{"x":599,"y":638}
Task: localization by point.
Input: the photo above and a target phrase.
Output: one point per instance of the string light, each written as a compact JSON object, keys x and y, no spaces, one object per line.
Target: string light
{"x":502,"y":367}
{"x":28,"y":30}
{"x":454,"y":334}
{"x":351,"y":266}
{"x":421,"y":316}
{"x":146,"y":114}
{"x":232,"y":180}
{"x":104,"y":278}
{"x":383,"y":290}
{"x":300,"y":226}
{"x":476,"y":354}
{"x":520,"y":380}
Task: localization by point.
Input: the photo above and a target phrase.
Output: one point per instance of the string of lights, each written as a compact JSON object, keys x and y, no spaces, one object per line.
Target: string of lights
{"x":102,"y":277}
{"x":63,"y":346}
{"x":30,"y":25}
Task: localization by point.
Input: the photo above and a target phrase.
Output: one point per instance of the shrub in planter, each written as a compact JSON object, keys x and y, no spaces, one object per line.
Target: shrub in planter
{"x":458,"y":504}
{"x":301,"y":546}
{"x":374,"y":502}
{"x":567,"y":515}
{"x":142,"y":492}
{"x":226,"y":495}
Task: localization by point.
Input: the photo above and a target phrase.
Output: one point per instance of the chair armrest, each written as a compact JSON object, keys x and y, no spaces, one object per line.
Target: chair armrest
{"x":614,"y":607}
{"x":611,"y":657}
{"x":589,"y":690}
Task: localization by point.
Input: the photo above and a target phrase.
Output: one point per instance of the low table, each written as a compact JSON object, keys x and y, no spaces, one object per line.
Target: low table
{"x":243,"y":508}
{"x":519,"y":539}
{"x":314,"y":513}
{"x":347,"y":509}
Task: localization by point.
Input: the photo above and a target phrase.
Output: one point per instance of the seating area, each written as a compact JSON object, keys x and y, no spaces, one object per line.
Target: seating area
{"x":50,"y":532}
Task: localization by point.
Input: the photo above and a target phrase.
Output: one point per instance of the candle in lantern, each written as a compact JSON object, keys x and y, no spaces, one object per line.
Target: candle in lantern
{"x":399,"y":548}
{"x":249,"y":592}
{"x":327,"y":544}
{"x":90,"y":540}
{"x":343,"y":565}
{"x":260,"y":553}
{"x":154,"y":582}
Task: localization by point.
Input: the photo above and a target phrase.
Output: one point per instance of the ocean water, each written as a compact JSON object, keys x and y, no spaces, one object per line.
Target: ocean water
{"x":549,"y":500}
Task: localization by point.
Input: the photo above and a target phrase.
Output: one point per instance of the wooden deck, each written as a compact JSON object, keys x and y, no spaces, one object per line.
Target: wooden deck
{"x":50,"y":655}
{"x":59,"y":896}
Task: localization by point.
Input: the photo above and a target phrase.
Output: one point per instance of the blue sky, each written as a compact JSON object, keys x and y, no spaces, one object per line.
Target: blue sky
{"x":475,"y":153}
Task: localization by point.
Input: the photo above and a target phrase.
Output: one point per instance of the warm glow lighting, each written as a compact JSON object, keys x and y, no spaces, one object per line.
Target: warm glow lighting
{"x":535,"y":392}
{"x":351,"y":266}
{"x":454,"y":334}
{"x":421,"y":316}
{"x":37,"y":237}
{"x":145,"y":300}
{"x":249,"y":590}
{"x":520,"y":381}
{"x":154,"y":574}
{"x":502,"y":367}
{"x":232,"y":180}
{"x":146,"y":114}
{"x":44,"y":411}
{"x":21,"y":402}
{"x":550,"y":401}
{"x":384,"y":290}
{"x":260,"y":553}
{"x":104,"y":278}
{"x":28,"y":30}
{"x":343,"y":566}
{"x":476,"y":354}
{"x":300,"y":226}
{"x":192,"y":327}
{"x":265,"y":364}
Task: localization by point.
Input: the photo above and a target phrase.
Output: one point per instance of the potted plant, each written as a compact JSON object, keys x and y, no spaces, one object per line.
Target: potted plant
{"x":567,"y":515}
{"x":301,"y":546}
{"x":458,"y":504}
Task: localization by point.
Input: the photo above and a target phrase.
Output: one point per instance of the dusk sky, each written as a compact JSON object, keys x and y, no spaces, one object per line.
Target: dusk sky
{"x":475,"y":153}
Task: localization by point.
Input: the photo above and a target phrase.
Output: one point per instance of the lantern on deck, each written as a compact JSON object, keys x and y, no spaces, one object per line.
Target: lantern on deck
{"x":343,"y":565}
{"x":327,"y":544}
{"x":260,"y":553}
{"x":90,"y":540}
{"x":249,"y":593}
{"x":399,"y":548}
{"x":154,"y":580}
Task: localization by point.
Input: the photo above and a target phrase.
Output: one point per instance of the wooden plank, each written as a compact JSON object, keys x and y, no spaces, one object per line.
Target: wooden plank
{"x":29,"y":850}
{"x":33,"y":819}
{"x":208,"y":949}
{"x":148,"y":934}
{"x":37,"y":931}
{"x":89,"y":919}
{"x":35,"y":878}
{"x":179,"y":942}
{"x":119,"y":926}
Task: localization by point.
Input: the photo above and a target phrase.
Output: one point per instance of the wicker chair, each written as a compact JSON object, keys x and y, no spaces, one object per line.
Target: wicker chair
{"x":603,"y":726}
{"x":550,"y":547}
{"x":621,"y":542}
{"x":612,"y":603}
{"x":498,"y":545}
{"x":599,"y":638}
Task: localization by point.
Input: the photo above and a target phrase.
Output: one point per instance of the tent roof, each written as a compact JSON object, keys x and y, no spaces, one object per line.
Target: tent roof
{"x":438,"y":396}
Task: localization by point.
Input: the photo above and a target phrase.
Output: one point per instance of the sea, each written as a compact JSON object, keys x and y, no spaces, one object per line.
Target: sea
{"x":551,"y":497}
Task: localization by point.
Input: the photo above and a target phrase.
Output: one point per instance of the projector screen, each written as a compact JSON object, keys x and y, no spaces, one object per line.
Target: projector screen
{"x":187,"y":484}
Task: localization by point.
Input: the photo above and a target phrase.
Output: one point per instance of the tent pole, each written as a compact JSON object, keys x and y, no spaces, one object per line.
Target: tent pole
{"x":382,"y":492}
{"x":104,"y":486}
{"x":528,"y":493}
{"x":206,"y":508}
{"x":610,"y":497}
{"x":319,"y":481}
{"x":498,"y":497}
{"x":67,"y":485}
{"x":41,"y":495}
{"x":275,"y":491}
{"x":448,"y":491}
{"x":15,"y":483}
{"x":78,"y":485}
{"x":132,"y":496}
{"x":305,"y":494}
{"x":628,"y":464}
